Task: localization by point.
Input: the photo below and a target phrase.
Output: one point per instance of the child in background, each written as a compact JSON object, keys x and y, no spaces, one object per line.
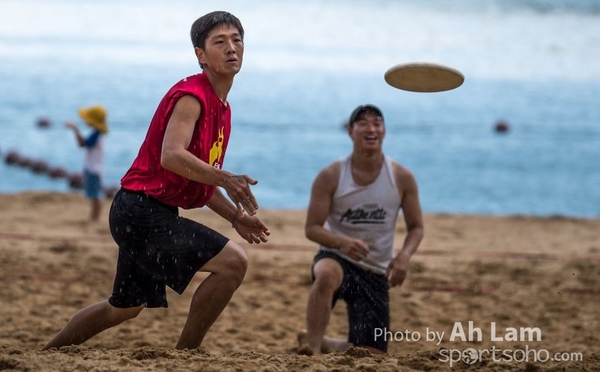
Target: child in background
{"x":93,"y":163}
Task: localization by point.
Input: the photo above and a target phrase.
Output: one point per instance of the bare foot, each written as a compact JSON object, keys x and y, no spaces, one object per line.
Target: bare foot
{"x":303,"y":348}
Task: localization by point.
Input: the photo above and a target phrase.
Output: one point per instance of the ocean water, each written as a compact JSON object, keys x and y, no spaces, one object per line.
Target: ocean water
{"x":531,"y":63}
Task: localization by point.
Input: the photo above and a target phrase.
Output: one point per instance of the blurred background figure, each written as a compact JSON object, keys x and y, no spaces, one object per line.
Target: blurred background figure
{"x":43,"y":122}
{"x":501,"y":127}
{"x":93,"y":162}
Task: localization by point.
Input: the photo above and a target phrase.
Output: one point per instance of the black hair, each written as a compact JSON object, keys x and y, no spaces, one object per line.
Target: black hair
{"x":364,"y":109}
{"x":205,"y":24}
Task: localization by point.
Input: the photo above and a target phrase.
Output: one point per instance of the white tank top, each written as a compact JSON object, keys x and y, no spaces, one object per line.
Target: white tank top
{"x":368,"y":213}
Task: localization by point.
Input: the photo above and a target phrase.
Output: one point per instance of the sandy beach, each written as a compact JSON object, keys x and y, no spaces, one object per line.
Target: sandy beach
{"x":526,"y":283}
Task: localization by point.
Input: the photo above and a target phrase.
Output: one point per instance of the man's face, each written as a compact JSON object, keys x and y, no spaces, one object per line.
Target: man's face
{"x":368,"y":131}
{"x":223,"y":51}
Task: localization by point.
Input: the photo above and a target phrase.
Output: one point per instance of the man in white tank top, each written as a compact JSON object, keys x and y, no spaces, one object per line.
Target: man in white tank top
{"x":352,"y":215}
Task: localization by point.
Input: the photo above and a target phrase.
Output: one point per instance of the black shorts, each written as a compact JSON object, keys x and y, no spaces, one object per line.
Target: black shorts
{"x":367,"y":302}
{"x":157,"y":248}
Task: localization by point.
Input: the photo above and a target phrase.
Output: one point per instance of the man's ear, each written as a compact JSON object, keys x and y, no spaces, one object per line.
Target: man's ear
{"x":200,"y":55}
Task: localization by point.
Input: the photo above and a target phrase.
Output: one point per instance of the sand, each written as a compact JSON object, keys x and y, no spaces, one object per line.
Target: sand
{"x":509,"y":271}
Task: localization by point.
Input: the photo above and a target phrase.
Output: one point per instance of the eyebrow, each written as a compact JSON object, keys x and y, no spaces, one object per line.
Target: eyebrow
{"x":225,"y":34}
{"x":376,"y":118}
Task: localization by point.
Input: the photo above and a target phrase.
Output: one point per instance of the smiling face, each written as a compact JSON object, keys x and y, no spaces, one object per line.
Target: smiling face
{"x":367,"y":132}
{"x":223,"y":50}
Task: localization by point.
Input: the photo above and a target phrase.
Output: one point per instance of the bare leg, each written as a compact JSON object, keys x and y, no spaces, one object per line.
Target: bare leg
{"x":227,"y":269}
{"x":96,"y":205}
{"x":328,"y":278}
{"x":90,"y":321}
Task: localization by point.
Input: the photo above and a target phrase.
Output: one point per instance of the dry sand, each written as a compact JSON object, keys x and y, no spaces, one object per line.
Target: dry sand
{"x":512,"y":271}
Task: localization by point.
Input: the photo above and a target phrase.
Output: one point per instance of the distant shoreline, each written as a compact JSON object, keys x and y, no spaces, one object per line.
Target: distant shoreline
{"x":550,"y":217}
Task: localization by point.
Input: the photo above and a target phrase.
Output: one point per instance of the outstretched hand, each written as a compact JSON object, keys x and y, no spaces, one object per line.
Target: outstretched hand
{"x":251,"y":228}
{"x":238,"y":190}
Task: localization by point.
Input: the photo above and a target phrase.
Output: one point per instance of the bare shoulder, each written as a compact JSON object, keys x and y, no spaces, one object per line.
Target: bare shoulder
{"x":328,"y":177}
{"x":332,"y":170}
{"x":405,"y":179}
{"x":402,"y":173}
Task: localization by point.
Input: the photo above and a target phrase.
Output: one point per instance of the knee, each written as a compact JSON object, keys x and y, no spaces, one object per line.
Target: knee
{"x":326,"y":281}
{"x":236,"y":265}
{"x":240,"y":267}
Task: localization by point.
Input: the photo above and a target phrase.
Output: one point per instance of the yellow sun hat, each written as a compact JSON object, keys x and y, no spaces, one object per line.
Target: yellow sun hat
{"x":95,"y":116}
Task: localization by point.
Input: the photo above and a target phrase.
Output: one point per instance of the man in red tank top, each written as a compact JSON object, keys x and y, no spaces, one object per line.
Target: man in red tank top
{"x":179,"y":165}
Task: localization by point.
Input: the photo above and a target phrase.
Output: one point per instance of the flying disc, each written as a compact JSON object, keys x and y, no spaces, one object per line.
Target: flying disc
{"x":423,"y":77}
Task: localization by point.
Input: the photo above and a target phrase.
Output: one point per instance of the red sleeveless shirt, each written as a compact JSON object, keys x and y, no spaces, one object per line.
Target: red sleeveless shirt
{"x":209,"y":143}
